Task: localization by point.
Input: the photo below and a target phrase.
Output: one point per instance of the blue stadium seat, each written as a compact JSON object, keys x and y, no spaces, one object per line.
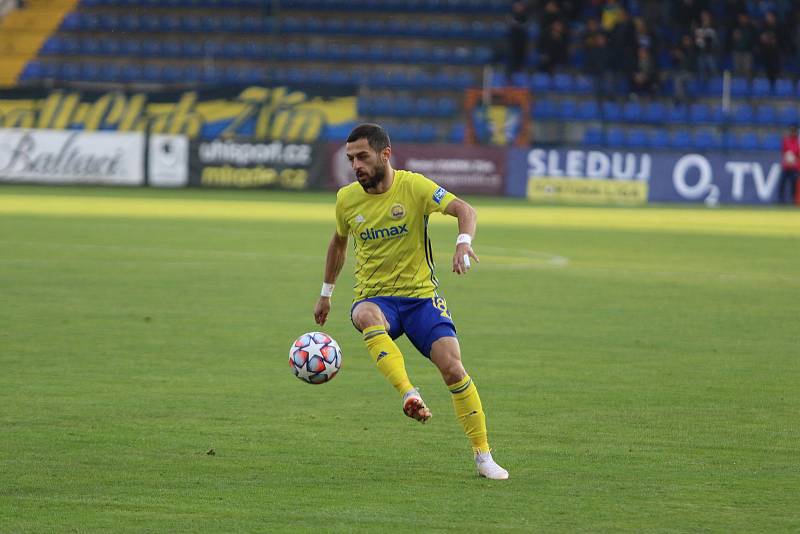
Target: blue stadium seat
{"x":447,"y":106}
{"x":632,"y":112}
{"x":70,"y":71}
{"x":658,"y":139}
{"x":766,"y":114}
{"x":568,"y":110}
{"x":636,"y":138}
{"x":743,"y":114}
{"x":544,"y":109}
{"x":593,"y":136}
{"x":611,"y":112}
{"x":700,"y":113}
{"x":655,"y":113}
{"x":785,"y":88}
{"x":681,"y":140}
{"x":426,"y":133}
{"x":615,"y":137}
{"x":539,"y":83}
{"x":53,"y":46}
{"x":707,"y":140}
{"x":583,"y":85}
{"x":771,"y":141}
{"x":743,"y":141}
{"x":563,"y":83}
{"x":34,"y":70}
{"x":589,"y":110}
{"x":789,"y":115}
{"x":761,"y":88}
{"x":457,"y":132}
{"x":677,"y":115}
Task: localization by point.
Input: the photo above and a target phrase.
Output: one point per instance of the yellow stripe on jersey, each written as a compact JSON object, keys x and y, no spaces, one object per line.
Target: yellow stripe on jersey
{"x":393,"y":252}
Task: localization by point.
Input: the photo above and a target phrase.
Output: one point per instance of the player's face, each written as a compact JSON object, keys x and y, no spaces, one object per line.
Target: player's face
{"x":369,"y":166}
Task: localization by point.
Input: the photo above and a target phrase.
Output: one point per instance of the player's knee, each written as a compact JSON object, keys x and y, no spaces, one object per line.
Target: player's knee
{"x":365,"y":316}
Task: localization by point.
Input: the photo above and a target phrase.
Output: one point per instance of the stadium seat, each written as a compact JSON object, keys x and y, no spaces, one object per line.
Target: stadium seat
{"x":593,"y":136}
{"x":655,"y":113}
{"x":563,"y":82}
{"x":743,"y":141}
{"x":611,"y":112}
{"x":743,"y":114}
{"x":544,"y":109}
{"x":589,"y":110}
{"x":706,"y":140}
{"x":785,"y":88}
{"x":766,"y":115}
{"x":761,"y":88}
{"x":677,"y":115}
{"x":568,"y":110}
{"x":771,"y":141}
{"x":539,"y":83}
{"x":632,"y":112}
{"x":616,"y":137}
{"x":680,"y":140}
{"x":636,"y":138}
{"x":658,"y":139}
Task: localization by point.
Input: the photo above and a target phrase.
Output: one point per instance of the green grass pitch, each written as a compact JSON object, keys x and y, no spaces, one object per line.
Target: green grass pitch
{"x":640,"y":370}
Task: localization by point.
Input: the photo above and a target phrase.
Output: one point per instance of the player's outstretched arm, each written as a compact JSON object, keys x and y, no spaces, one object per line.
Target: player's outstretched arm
{"x":337,"y":251}
{"x":467,"y":222}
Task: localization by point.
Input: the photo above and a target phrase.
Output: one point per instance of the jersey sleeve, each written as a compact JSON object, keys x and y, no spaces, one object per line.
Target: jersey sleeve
{"x":434,"y":197}
{"x":342,"y":226}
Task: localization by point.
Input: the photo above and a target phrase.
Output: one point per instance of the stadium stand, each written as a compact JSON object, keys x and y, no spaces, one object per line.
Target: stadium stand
{"x":413,"y":59}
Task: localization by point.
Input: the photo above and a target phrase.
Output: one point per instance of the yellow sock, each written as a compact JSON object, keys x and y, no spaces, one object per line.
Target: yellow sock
{"x":469,"y":412}
{"x":388,"y":357}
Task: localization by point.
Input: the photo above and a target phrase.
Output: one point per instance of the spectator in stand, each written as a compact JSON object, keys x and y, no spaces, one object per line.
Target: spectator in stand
{"x":686,"y":12}
{"x":611,"y":15}
{"x":553,"y":47}
{"x":624,"y":46}
{"x":644,"y":37}
{"x":705,"y":39}
{"x":518,"y":37}
{"x":770,"y":54}
{"x":790,"y":164}
{"x":743,"y":44}
{"x":684,"y":60}
{"x":598,"y":59}
{"x":645,"y":78}
{"x":550,"y":14}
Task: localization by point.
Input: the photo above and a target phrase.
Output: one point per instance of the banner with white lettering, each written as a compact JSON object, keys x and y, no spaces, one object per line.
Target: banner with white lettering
{"x":247,"y":165}
{"x":608,"y":177}
{"x":71,"y":157}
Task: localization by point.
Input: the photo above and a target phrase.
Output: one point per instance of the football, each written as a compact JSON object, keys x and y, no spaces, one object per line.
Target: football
{"x":315,"y":357}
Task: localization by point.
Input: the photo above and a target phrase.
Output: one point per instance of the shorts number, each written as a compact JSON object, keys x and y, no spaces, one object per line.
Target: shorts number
{"x":440,"y":304}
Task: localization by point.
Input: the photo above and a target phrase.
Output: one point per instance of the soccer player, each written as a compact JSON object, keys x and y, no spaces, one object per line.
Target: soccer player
{"x":386,"y":212}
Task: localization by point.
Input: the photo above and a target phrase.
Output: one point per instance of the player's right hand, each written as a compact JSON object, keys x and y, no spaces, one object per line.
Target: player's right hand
{"x":321,"y":310}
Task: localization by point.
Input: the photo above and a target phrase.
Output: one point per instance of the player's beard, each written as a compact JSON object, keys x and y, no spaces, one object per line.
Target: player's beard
{"x":377,"y":178}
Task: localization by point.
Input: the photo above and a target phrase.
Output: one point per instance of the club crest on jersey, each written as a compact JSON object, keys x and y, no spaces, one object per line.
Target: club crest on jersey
{"x":438,"y":195}
{"x":384,"y":233}
{"x":398,"y":211}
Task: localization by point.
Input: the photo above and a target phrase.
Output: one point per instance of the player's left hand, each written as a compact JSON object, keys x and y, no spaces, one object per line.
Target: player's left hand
{"x":462,"y":259}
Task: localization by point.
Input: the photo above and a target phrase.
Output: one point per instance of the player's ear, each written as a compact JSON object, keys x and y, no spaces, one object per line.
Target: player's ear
{"x":386,"y":153}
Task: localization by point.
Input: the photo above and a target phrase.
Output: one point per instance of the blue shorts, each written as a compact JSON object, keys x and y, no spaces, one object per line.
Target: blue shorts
{"x":423,"y":321}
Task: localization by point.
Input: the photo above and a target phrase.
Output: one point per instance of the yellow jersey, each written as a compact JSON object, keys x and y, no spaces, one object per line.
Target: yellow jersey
{"x":393,"y":252}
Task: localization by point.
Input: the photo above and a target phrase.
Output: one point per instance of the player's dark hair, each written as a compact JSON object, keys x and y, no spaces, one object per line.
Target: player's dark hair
{"x":376,"y":136}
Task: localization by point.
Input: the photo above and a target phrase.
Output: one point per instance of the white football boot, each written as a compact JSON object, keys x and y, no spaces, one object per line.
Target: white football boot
{"x":488,"y":468}
{"x":414,"y":406}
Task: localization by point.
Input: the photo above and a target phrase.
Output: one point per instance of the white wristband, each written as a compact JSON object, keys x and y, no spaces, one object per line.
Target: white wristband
{"x":327,"y":290}
{"x":464,"y":238}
